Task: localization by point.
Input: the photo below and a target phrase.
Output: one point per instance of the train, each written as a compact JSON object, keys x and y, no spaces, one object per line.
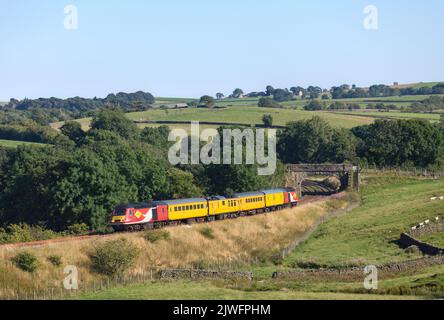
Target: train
{"x":158,"y":214}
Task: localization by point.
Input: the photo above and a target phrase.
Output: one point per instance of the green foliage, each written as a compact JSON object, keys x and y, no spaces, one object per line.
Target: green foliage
{"x":315,"y":141}
{"x":282,"y":95}
{"x":208,"y":233}
{"x":55,"y":260}
{"x":63,"y":186}
{"x":114,"y":257}
{"x":399,"y":143}
{"x":26,"y":261}
{"x":156,"y":136}
{"x":207,"y":101}
{"x":115,"y":121}
{"x":16,"y":233}
{"x":155,"y":236}
{"x":267,"y":119}
{"x":266,"y":102}
{"x":29,"y":132}
{"x":73,"y":130}
{"x":78,"y":229}
{"x":182,"y":184}
{"x":314,"y":105}
{"x":45,"y":111}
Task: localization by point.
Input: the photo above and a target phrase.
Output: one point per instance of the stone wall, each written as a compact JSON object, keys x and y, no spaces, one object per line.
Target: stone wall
{"x":357,"y":274}
{"x":407,"y":240}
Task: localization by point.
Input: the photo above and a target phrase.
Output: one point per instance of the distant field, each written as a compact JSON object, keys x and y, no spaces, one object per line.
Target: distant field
{"x":418,"y":85}
{"x":395,"y":115}
{"x":245,"y":111}
{"x":248,"y":116}
{"x":15,"y":144}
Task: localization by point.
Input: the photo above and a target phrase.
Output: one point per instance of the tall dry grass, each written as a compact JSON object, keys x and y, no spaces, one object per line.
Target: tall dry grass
{"x":235,"y":243}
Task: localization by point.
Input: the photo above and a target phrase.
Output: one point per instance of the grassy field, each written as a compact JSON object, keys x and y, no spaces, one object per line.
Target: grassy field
{"x":245,"y":111}
{"x":185,"y":290}
{"x":247,"y":115}
{"x":434,"y":117}
{"x":436,"y":239}
{"x":15,"y":144}
{"x":367,"y":235}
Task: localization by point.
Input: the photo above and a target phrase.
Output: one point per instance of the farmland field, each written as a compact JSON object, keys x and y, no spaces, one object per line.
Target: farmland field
{"x":245,"y":111}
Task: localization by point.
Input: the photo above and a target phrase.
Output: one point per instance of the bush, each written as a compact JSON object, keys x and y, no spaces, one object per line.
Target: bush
{"x":268,"y":103}
{"x":78,"y":229}
{"x":155,"y":236}
{"x":207,"y":233}
{"x":26,"y":261}
{"x":114,"y":257}
{"x":22,"y":232}
{"x":55,"y":260}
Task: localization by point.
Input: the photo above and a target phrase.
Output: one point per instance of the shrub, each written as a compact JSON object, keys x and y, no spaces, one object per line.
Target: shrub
{"x":55,"y":260}
{"x":25,"y":233}
{"x":26,"y":261}
{"x":268,"y":103}
{"x":155,"y":236}
{"x":207,"y":233}
{"x":114,"y":257}
{"x":77,"y":229}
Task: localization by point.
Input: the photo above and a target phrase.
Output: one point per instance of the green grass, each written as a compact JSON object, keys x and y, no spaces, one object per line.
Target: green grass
{"x":436,"y":239}
{"x":367,"y":235}
{"x":247,"y":116}
{"x":186,"y":290}
{"x":420,"y":85}
{"x":15,"y":144}
{"x":395,"y":115}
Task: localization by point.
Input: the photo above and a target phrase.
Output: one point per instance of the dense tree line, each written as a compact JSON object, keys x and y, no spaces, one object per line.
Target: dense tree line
{"x":407,"y":143}
{"x":344,"y":91}
{"x":45,"y":111}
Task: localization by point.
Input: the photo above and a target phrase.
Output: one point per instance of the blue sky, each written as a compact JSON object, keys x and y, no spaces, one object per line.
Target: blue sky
{"x":193,"y":47}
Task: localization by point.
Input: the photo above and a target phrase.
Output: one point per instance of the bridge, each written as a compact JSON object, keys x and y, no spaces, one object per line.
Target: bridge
{"x":348,"y":174}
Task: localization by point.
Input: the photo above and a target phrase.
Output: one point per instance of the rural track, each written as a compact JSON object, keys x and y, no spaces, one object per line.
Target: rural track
{"x":304,"y":201}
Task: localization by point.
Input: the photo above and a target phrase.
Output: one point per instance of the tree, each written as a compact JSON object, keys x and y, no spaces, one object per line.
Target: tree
{"x":219,"y":96}
{"x":156,"y":136}
{"x":282,"y":95}
{"x":73,"y":130}
{"x":306,"y":141}
{"x":267,"y":119}
{"x":115,"y":120}
{"x":398,"y":143}
{"x":238,"y":93}
{"x":269,"y":91}
{"x":207,"y":101}
{"x":266,"y":102}
{"x":314,"y":105}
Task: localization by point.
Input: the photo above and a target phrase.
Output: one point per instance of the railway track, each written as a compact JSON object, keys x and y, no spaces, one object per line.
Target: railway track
{"x":304,"y":201}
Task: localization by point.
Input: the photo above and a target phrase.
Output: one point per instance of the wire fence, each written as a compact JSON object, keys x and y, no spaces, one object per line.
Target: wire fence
{"x":60,"y":293}
{"x":403,"y":172}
